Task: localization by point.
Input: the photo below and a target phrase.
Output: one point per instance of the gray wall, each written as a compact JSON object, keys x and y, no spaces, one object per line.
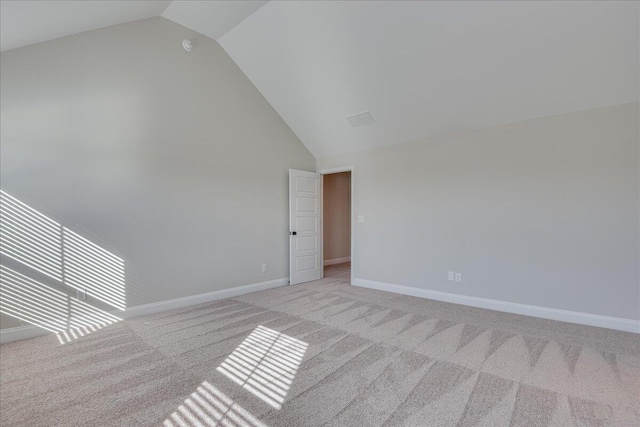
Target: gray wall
{"x":336,"y":215}
{"x":544,"y":212}
{"x":172,"y":159}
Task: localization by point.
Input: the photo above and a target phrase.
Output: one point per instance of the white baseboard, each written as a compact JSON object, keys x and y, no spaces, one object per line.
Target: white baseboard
{"x":21,"y":333}
{"x":30,"y":331}
{"x":156,"y":307}
{"x":618,"y":323}
{"x":337,"y":260}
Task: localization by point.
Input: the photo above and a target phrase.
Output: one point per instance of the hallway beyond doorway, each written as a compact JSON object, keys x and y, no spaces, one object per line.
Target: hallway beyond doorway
{"x":340,"y":271}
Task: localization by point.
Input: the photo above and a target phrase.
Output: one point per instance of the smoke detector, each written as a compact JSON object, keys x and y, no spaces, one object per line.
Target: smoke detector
{"x":187,"y":45}
{"x":360,"y":119}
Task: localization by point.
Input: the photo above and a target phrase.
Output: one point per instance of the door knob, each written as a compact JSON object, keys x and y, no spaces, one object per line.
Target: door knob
{"x":293,"y":233}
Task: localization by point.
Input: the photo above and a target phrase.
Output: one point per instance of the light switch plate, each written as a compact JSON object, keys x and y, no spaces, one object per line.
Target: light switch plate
{"x":264,"y":268}
{"x":451,"y":276}
{"x":360,"y":218}
{"x":81,"y":295}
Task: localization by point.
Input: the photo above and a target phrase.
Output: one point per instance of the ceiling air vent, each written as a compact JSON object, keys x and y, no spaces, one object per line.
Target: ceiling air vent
{"x":360,"y":119}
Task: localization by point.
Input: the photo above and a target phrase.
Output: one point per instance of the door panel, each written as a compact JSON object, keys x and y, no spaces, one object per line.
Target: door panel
{"x":306,"y":204}
{"x":305,"y":243}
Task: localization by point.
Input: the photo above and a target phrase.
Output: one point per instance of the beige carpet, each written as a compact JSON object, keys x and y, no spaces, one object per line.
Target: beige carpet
{"x":325,"y":353}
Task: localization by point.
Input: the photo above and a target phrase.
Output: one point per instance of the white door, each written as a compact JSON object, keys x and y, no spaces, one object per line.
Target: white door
{"x":305,"y":238}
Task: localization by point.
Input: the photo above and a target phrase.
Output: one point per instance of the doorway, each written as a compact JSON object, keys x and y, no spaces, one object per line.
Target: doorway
{"x":307,"y":225}
{"x":336,"y":224}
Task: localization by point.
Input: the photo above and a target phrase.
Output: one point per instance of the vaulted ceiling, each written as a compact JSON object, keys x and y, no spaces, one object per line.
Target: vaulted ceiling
{"x":25,"y":22}
{"x":28,"y":22}
{"x":428,"y":68}
{"x":422,"y":69}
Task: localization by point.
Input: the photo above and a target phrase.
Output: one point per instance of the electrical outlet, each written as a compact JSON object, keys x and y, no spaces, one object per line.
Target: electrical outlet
{"x":360,"y":218}
{"x":451,"y":276}
{"x":81,"y":294}
{"x":264,"y":268}
{"x":458,"y":277}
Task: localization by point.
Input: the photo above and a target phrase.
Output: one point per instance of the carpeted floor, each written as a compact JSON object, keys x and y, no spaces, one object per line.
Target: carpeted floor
{"x":325,"y":353}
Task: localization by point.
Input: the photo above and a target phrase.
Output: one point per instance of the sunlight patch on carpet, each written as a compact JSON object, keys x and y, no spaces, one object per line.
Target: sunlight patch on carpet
{"x":209,"y":407}
{"x":265,"y":364}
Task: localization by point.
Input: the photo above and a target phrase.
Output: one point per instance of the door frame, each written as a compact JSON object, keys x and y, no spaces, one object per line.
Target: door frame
{"x":330,"y":171}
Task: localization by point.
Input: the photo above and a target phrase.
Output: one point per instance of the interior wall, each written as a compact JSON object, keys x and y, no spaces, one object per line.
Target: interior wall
{"x":336,"y":213}
{"x":543,"y":212}
{"x":171,"y":158}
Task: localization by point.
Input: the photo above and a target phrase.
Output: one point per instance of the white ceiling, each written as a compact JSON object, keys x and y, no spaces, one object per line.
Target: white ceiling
{"x":27,"y":22}
{"x":422,"y":69}
{"x":433,"y":68}
{"x":211,"y":18}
